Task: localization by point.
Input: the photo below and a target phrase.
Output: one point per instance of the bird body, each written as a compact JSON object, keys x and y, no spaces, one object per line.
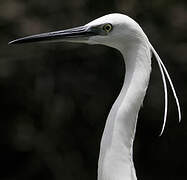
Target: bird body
{"x":124,"y":34}
{"x":116,"y":150}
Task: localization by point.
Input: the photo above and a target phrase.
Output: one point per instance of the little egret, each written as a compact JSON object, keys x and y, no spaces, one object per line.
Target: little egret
{"x":123,"y":33}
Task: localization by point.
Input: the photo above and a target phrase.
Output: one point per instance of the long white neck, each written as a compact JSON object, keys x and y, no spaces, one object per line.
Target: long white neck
{"x":115,"y":159}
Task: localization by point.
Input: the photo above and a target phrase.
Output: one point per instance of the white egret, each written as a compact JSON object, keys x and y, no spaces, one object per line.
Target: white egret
{"x":123,"y":33}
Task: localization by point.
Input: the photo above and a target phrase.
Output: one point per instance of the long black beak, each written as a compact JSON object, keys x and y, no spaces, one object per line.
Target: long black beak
{"x":78,"y":34}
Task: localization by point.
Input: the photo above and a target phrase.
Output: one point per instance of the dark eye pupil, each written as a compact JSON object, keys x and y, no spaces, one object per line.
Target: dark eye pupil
{"x":107,"y":27}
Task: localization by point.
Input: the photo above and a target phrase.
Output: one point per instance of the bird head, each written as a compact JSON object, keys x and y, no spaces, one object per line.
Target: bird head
{"x":114,"y":30}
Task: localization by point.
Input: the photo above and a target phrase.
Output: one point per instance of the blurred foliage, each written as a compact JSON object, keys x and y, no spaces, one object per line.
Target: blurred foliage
{"x":55,"y":98}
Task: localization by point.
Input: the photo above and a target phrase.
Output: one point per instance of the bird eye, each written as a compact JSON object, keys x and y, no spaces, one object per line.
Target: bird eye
{"x":107,"y":27}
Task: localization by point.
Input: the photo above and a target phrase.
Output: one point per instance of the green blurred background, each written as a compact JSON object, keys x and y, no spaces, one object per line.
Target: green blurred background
{"x":54,"y":98}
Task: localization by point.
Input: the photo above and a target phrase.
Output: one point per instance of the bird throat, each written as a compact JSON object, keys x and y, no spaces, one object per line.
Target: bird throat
{"x":116,"y":151}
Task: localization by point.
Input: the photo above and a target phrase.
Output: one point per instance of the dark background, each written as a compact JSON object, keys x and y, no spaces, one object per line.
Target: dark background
{"x":54,"y":98}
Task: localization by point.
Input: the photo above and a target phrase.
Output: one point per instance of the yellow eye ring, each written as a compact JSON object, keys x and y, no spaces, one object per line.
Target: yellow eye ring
{"x":107,"y":27}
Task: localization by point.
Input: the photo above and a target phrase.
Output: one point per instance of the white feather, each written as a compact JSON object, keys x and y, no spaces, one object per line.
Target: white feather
{"x":164,"y":70}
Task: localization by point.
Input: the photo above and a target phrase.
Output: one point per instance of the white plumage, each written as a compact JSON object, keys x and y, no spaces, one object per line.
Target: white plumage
{"x":123,"y":33}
